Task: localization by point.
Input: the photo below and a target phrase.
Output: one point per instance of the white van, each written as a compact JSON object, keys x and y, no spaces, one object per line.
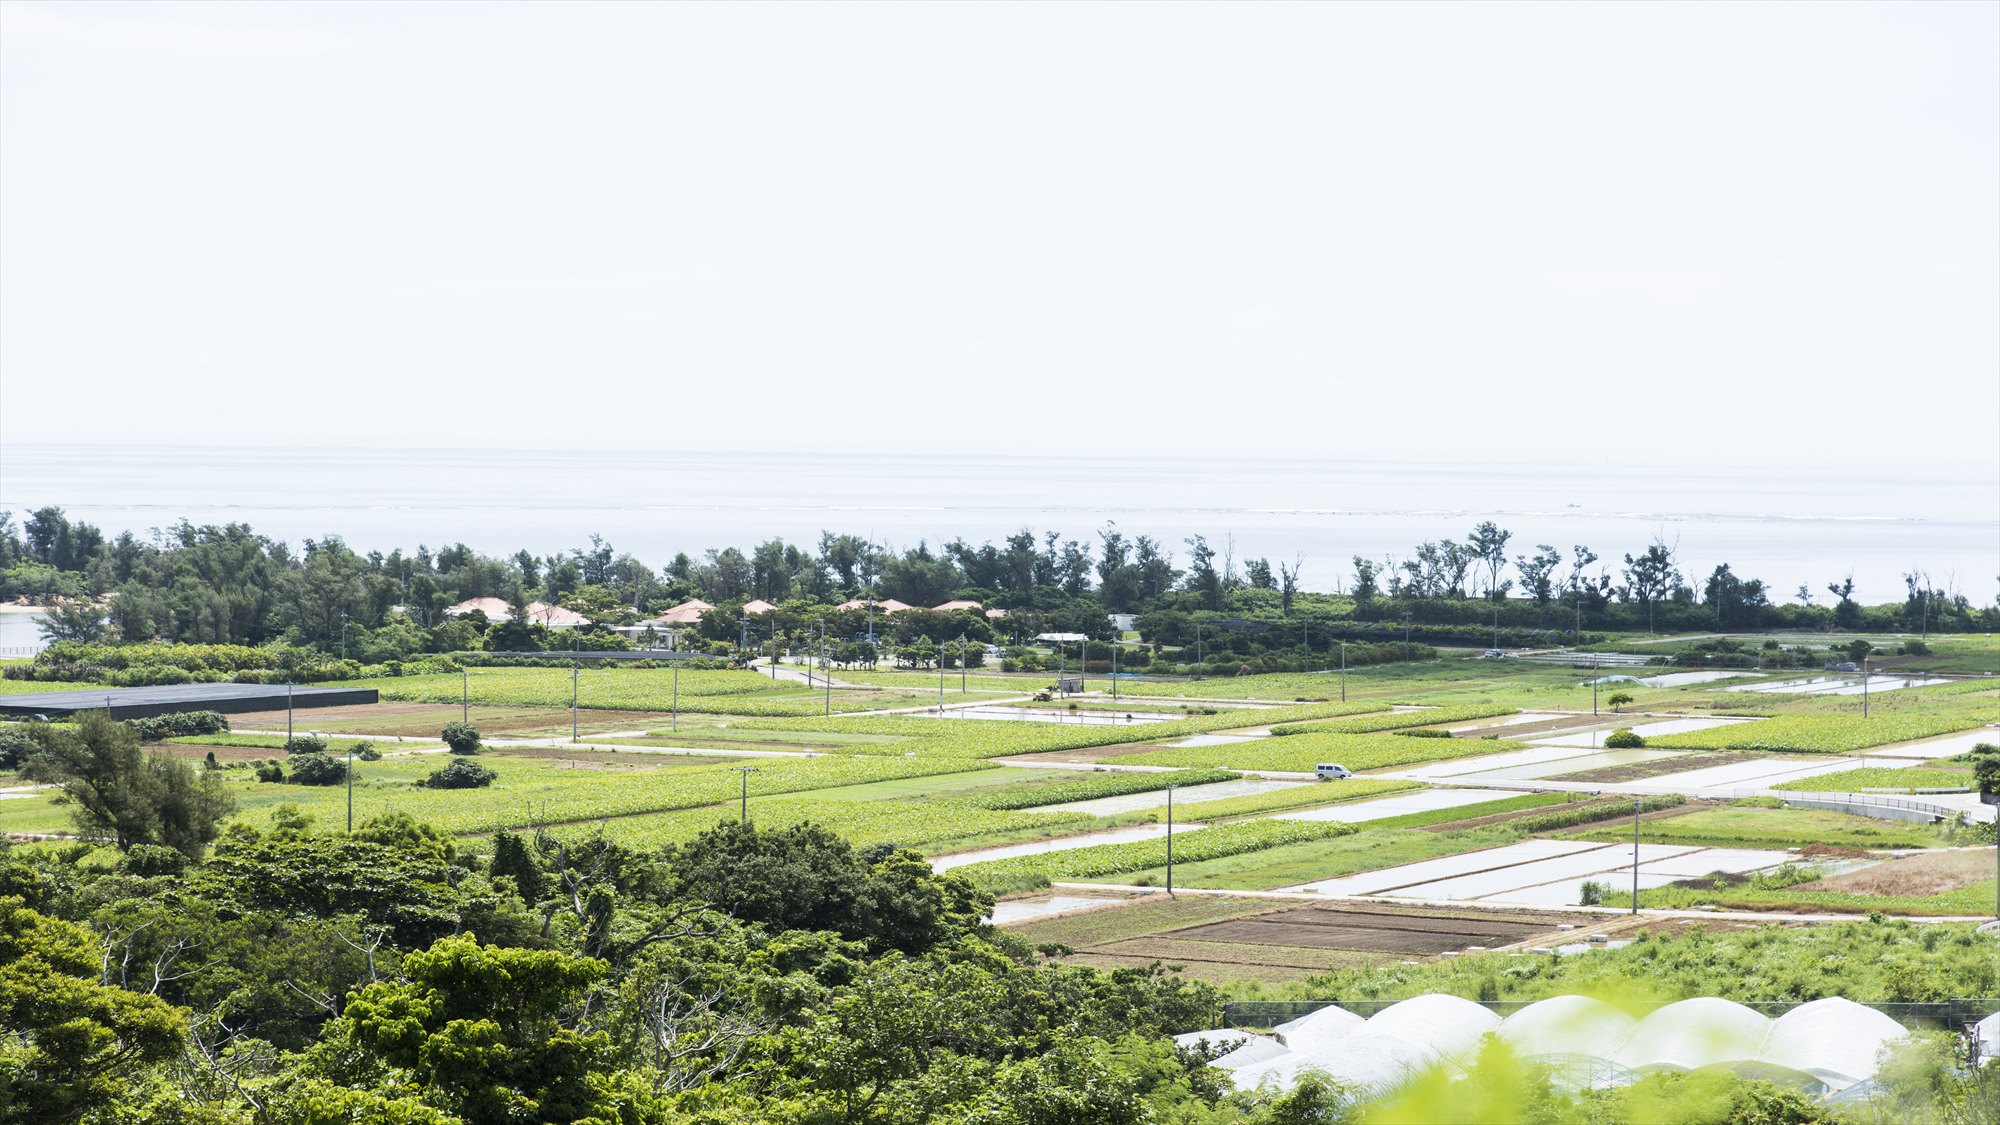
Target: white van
{"x":1331,"y":771}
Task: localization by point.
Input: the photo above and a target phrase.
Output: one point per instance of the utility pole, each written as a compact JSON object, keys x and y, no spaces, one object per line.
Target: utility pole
{"x":1114,"y":669}
{"x":1170,"y":841}
{"x":350,"y":789}
{"x":574,"y":668}
{"x":1082,"y":657}
{"x":940,"y":660}
{"x":343,"y":634}
{"x":743,"y":813}
{"x":1343,"y":671}
{"x":1635,"y":855}
{"x":1864,"y":687}
{"x":825,"y":670}
{"x":464,"y":696}
{"x":961,"y":664}
{"x":1593,"y":687}
{"x":677,"y":695}
{"x":288,"y":712}
{"x":1198,"y":661}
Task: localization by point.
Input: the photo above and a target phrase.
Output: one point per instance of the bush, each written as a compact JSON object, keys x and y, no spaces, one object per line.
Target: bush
{"x":147,"y":860}
{"x":270,"y":771}
{"x":463,"y":773}
{"x":306,"y":744}
{"x":1986,"y":774}
{"x":366,"y":752}
{"x":1592,"y":893}
{"x":1623,"y":740}
{"x":318,"y":769}
{"x":463,"y":738}
{"x":153,"y":728}
{"x":1420,"y":732}
{"x":1590,"y":814}
{"x":15,"y":746}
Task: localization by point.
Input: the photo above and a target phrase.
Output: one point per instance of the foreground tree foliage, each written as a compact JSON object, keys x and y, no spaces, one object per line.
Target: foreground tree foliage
{"x":291,"y":976}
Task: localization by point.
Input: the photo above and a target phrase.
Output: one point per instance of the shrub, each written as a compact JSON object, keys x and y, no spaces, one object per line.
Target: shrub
{"x":1986,"y":774}
{"x":305,"y":744}
{"x":1592,"y":893}
{"x":270,"y":771}
{"x":1590,"y":814}
{"x":318,"y":769}
{"x":1623,"y":740}
{"x":366,"y":752}
{"x":15,"y":746}
{"x":1421,"y":732}
{"x":462,"y":773}
{"x":153,"y":728}
{"x":1618,"y":699}
{"x":153,"y":859}
{"x":463,"y":738}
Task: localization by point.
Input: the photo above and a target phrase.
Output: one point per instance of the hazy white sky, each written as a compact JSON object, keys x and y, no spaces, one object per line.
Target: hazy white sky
{"x":1758,"y":231}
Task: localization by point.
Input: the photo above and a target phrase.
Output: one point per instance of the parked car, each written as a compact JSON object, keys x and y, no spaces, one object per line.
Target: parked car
{"x":1331,"y":771}
{"x":1492,"y":654}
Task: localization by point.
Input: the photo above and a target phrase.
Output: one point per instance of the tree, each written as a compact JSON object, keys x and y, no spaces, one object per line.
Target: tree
{"x":75,"y":619}
{"x":1203,"y":579}
{"x":490,"y":1034}
{"x":1538,"y":572}
{"x":1288,"y":584}
{"x":1651,"y":577}
{"x":1366,"y":589}
{"x":1846,"y":614}
{"x":1617,"y":700}
{"x":115,"y":788}
{"x":71,"y":1043}
{"x":1487,"y":545}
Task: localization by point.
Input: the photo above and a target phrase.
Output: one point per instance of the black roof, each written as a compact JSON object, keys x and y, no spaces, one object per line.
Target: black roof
{"x":136,"y":702}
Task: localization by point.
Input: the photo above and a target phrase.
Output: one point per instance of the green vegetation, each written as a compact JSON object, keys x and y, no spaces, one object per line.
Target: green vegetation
{"x":1819,"y":734}
{"x":1092,"y":787}
{"x":1777,"y":828}
{"x":1877,"y":777}
{"x":1300,"y":753}
{"x":1193,"y":845}
{"x":1369,"y":849}
{"x":1294,"y":797}
{"x":1399,"y":720}
{"x":1869,"y":962}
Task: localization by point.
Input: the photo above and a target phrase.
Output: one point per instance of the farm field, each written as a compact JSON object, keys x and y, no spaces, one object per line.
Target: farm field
{"x":1822,"y":734}
{"x":1246,"y":941}
{"x":1753,"y":827}
{"x":1938,"y":882}
{"x":1300,"y":753}
{"x":1878,"y":777}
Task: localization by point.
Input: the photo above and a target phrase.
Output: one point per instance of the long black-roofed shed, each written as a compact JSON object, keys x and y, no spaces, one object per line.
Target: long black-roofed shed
{"x":140,"y":702}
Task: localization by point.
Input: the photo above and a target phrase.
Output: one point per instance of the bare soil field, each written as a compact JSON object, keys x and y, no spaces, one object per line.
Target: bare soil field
{"x":1232,"y":939}
{"x":1638,"y":771}
{"x":1927,"y":873}
{"x":1330,"y":927}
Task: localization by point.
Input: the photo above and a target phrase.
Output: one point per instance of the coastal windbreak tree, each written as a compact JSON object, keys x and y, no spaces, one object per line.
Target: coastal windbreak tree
{"x":115,"y":788}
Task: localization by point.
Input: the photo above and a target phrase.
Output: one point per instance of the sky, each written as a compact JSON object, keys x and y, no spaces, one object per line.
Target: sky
{"x":1732,"y":233}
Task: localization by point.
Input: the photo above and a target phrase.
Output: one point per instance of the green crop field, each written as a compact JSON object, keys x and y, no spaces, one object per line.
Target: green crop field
{"x":1400,"y":720}
{"x":1092,"y":787}
{"x":1294,"y":797}
{"x":1876,"y":777}
{"x":1291,"y":864}
{"x":1752,"y":827}
{"x":1819,"y":734}
{"x":1299,"y":753}
{"x":1193,"y":845}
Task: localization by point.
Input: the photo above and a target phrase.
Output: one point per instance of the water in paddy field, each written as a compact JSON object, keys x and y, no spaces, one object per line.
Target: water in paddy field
{"x":1786,"y":526}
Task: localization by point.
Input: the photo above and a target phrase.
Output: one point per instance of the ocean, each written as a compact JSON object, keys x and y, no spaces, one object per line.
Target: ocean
{"x":1787,"y":525}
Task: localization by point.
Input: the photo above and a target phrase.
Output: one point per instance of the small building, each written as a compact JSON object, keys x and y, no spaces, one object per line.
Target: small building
{"x":758,"y":607}
{"x":687,"y":613}
{"x":886,"y":605}
{"x":956,"y":604}
{"x":541,"y":613}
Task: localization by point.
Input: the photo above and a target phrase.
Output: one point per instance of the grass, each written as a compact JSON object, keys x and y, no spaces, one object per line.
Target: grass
{"x":262,"y":741}
{"x":1400,"y":720}
{"x":1876,"y":777}
{"x":1300,"y":753}
{"x":1738,"y":827}
{"x":1142,"y":918}
{"x":1973,"y":901}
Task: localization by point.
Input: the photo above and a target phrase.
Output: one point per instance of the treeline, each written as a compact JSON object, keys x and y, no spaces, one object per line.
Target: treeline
{"x":226,"y":584}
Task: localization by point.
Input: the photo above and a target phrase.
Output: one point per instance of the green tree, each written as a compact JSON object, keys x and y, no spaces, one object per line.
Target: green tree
{"x":115,"y":788}
{"x":462,"y":738}
{"x":71,"y":1044}
{"x":77,"y":619}
{"x":490,"y":1034}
